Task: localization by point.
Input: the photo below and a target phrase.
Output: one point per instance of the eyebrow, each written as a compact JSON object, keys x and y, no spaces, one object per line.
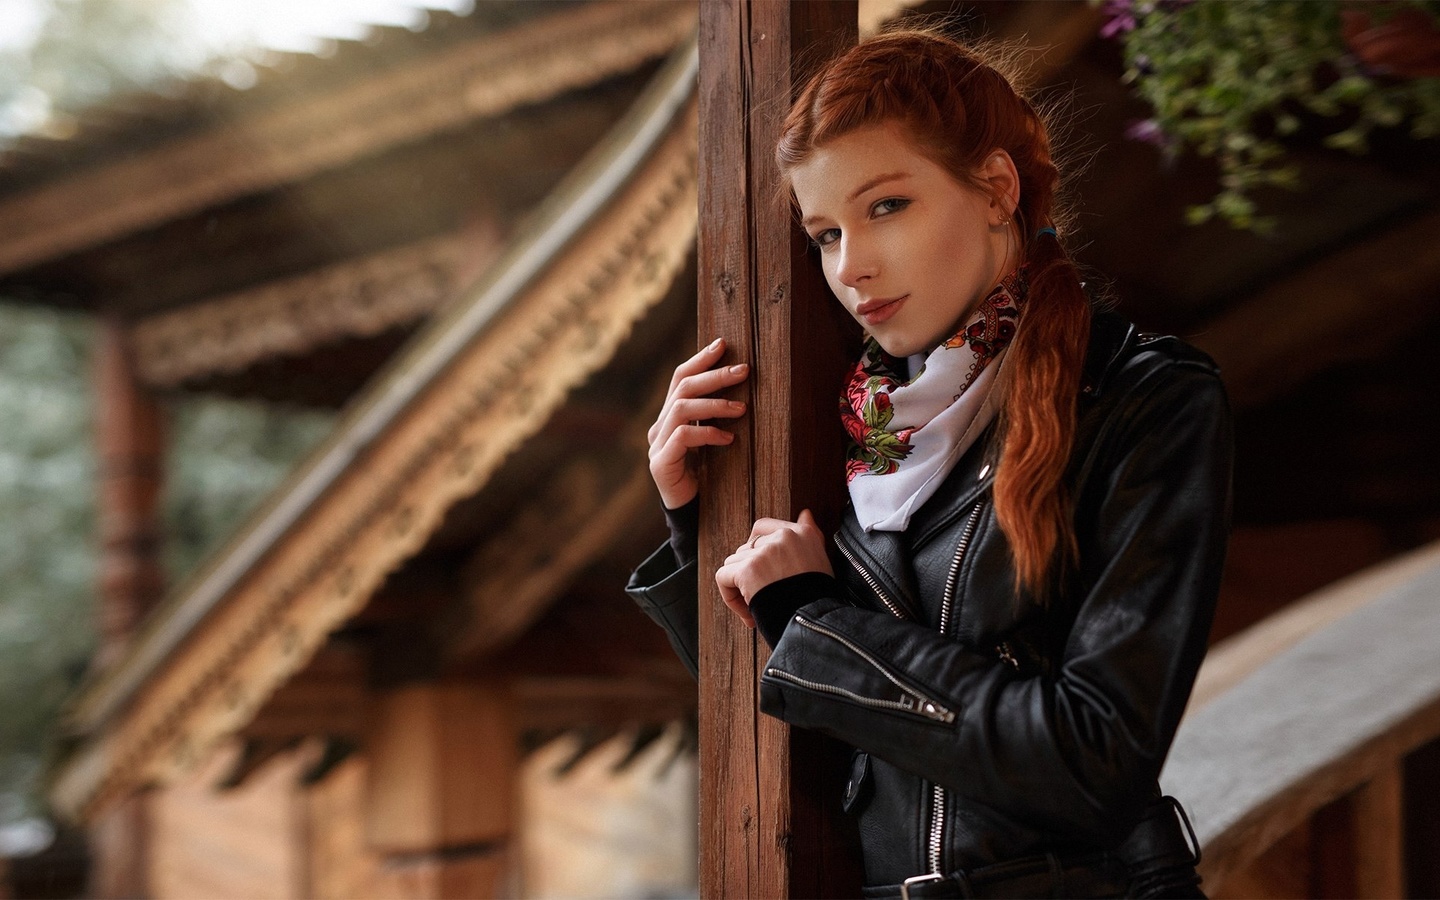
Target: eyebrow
{"x":874,"y":182}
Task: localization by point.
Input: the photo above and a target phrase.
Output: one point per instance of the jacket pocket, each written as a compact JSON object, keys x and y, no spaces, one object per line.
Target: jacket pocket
{"x":904,"y":698}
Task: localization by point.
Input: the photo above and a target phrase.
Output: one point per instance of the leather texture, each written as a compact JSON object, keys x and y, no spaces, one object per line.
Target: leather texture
{"x":1045,"y":727}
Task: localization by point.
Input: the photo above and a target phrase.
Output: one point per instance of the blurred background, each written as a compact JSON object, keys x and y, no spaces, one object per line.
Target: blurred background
{"x":324,"y":379}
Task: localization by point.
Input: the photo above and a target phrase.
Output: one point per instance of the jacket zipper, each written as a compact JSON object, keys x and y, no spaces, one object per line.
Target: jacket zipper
{"x":871,"y":580}
{"x":912,"y":701}
{"x":938,"y":795}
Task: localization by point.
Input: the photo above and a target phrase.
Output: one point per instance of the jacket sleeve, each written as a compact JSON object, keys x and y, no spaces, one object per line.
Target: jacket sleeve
{"x":665,"y":588}
{"x":1078,"y":751}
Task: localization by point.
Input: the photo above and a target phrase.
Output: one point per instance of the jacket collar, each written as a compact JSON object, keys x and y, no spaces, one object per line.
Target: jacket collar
{"x":1110,"y":337}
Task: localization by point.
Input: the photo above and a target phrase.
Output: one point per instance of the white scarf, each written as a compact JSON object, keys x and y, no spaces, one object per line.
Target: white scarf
{"x":906,"y":434}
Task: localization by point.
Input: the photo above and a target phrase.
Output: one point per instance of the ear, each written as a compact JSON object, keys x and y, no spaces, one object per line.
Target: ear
{"x":998,"y":172}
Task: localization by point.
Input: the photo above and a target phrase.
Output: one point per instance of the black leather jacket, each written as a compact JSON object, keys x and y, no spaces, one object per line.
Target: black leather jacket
{"x":989,"y":729}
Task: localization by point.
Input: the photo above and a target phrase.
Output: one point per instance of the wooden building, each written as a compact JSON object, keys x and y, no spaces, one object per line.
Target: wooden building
{"x":480,"y":243}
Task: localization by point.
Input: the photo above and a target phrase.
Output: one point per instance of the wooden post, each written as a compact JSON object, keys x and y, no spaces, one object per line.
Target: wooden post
{"x":763,"y":829}
{"x":440,"y":790}
{"x":1379,"y":834}
{"x":130,"y":454}
{"x":129,"y":441}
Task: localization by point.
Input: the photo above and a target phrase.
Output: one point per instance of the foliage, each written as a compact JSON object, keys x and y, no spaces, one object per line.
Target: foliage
{"x":1231,"y":80}
{"x":77,"y":52}
{"x":47,"y":566}
{"x":224,"y":457}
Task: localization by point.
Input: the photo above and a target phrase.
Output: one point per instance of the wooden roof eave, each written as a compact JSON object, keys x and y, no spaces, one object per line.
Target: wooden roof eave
{"x":484,"y":78}
{"x":435,"y":426}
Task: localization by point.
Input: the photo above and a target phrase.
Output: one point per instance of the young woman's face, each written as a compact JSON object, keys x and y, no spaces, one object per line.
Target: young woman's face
{"x":908,"y":250}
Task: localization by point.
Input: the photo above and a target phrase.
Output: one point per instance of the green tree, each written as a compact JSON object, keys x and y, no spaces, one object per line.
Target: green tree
{"x":224,"y":455}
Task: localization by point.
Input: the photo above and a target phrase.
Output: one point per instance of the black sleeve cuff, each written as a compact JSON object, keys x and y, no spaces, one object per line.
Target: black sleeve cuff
{"x":684,"y":525}
{"x":776,"y":603}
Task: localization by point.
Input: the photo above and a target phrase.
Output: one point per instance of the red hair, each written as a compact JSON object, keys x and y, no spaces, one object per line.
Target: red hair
{"x":958,"y":109}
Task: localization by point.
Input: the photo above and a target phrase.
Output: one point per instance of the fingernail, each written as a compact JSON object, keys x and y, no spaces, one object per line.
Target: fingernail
{"x":736,"y":404}
{"x":714,"y":344}
{"x":739,"y":369}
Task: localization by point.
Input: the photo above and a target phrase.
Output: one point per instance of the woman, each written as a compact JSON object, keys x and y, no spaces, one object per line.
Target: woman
{"x":1023,"y":582}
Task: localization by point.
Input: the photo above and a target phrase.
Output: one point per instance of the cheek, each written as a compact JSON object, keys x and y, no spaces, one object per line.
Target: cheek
{"x":836,"y":287}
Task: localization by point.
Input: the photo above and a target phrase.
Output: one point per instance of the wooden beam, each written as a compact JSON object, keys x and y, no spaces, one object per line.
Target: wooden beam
{"x":442,"y":763}
{"x":1319,"y":719}
{"x":479,"y":79}
{"x":1057,"y":32}
{"x":763,"y":832}
{"x":525,"y":565}
{"x":1378,"y":821}
{"x":119,"y":845}
{"x":546,"y":703}
{"x":1233,"y":659}
{"x":328,"y":698}
{"x":1308,"y":322}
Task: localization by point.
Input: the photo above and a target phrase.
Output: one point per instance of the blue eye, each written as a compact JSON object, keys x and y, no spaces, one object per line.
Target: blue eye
{"x":889,"y":205}
{"x":824,"y":238}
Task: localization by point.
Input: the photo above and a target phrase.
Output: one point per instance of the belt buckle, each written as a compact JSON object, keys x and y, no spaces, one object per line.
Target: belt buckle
{"x":916,"y":880}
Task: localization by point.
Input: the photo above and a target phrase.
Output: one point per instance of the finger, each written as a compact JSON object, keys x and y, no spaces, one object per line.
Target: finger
{"x":704,"y":383}
{"x":731,"y":595}
{"x":703,"y":359}
{"x":806,"y":519}
{"x":688,"y":410}
{"x":696,"y":386}
{"x":688,"y":437}
{"x":685,"y":411}
{"x":763,"y":527}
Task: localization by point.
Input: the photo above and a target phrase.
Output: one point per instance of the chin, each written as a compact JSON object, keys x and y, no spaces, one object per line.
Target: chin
{"x":897,"y":346}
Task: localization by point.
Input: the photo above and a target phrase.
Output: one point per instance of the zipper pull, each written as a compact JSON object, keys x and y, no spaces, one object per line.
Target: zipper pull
{"x":936,"y":712}
{"x":1003,"y":651}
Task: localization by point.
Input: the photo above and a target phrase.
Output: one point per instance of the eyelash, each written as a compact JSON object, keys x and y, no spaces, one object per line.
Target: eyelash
{"x":901,"y":201}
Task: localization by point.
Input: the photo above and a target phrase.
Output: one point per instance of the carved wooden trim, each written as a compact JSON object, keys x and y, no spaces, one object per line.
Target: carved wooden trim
{"x":512,"y":579}
{"x":487,"y":77}
{"x":446,"y":443}
{"x":356,"y":298}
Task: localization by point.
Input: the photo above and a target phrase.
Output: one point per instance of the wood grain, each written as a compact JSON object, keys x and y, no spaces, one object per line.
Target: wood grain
{"x":763,"y":831}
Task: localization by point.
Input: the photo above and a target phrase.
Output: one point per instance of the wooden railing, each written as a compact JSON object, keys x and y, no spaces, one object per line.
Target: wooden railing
{"x":1291,"y":757}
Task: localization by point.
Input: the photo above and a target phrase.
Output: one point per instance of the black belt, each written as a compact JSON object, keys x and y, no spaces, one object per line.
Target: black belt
{"x":1050,"y":875}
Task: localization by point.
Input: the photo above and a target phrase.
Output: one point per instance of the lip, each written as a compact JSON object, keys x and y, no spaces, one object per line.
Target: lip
{"x":873,"y":312}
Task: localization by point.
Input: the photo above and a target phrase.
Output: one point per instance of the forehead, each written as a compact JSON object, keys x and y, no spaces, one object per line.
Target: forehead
{"x":836,"y":171}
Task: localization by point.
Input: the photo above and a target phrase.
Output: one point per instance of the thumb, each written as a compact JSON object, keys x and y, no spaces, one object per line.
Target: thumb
{"x":806,"y":519}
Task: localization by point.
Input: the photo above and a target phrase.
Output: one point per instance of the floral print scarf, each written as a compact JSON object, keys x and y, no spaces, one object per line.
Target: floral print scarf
{"x":907,"y":434}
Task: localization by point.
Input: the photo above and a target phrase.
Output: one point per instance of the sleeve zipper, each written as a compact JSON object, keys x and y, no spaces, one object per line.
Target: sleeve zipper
{"x":911,"y":700}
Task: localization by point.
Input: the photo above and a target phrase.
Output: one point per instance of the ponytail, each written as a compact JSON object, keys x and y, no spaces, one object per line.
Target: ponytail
{"x":1037,"y":421}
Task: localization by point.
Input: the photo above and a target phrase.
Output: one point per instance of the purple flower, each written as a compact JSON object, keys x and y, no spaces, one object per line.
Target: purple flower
{"x":1121,"y":17}
{"x":1147,"y":131}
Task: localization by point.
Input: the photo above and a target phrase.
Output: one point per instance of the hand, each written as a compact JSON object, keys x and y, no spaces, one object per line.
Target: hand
{"x":679,"y":428}
{"x":776,"y":550}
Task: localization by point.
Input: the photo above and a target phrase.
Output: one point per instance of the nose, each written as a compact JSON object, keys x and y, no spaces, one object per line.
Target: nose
{"x":856,"y":262}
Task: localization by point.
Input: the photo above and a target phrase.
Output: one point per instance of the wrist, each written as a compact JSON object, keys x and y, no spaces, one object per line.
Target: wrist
{"x":775,"y":604}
